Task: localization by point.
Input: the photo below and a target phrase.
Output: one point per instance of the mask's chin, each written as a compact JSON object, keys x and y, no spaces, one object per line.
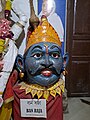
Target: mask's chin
{"x":43,"y":80}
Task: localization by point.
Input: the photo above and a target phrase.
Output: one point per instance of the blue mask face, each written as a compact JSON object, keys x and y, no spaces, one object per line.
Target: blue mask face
{"x":43,"y":63}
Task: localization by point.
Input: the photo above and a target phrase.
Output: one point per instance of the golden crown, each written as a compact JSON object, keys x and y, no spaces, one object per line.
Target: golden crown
{"x":43,"y":33}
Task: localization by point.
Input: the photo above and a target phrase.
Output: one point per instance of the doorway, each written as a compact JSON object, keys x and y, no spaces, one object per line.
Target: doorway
{"x":78,"y":47}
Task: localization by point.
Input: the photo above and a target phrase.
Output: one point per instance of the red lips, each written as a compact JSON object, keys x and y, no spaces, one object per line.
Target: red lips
{"x":46,"y":73}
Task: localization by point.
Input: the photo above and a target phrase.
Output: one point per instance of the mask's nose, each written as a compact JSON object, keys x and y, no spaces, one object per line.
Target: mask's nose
{"x":47,"y":63}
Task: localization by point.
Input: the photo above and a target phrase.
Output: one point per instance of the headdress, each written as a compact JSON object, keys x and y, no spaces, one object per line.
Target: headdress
{"x":43,"y":33}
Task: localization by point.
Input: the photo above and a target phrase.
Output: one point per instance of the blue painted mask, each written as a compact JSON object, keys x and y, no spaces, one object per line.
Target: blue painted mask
{"x":43,"y":63}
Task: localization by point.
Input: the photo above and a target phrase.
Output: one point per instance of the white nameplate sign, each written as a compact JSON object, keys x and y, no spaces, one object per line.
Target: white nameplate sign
{"x":33,"y":108}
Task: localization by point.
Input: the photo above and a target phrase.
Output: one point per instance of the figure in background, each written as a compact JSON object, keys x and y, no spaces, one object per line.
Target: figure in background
{"x":10,"y":36}
{"x":7,"y":106}
{"x":48,"y":9}
{"x":23,"y":6}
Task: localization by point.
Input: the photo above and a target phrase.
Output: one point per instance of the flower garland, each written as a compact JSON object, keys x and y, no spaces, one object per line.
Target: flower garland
{"x":5,"y":26}
{"x":8,"y":48}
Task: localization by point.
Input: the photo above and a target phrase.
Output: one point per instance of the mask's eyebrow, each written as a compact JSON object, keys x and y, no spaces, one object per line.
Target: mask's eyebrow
{"x":54,"y":46}
{"x":36,"y":47}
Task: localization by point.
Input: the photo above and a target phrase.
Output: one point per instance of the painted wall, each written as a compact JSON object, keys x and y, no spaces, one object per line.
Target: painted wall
{"x":61,"y":11}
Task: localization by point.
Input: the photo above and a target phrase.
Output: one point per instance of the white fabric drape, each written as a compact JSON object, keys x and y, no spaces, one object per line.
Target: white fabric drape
{"x":9,"y":60}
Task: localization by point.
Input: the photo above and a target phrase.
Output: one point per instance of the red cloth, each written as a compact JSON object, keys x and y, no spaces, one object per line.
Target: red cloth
{"x":8,"y":95}
{"x":53,"y":106}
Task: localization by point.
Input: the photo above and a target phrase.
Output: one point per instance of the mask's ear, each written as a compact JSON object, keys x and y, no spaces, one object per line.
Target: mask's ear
{"x":19,"y":63}
{"x":65,"y":60}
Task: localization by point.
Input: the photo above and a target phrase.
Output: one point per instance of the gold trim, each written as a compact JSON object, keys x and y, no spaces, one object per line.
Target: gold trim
{"x":9,"y":100}
{"x":2,"y":43}
{"x":8,"y":5}
{"x":1,"y":93}
{"x":40,"y":91}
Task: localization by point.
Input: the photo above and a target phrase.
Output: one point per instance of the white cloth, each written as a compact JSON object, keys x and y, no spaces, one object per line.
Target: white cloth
{"x":9,"y":60}
{"x":0,"y":6}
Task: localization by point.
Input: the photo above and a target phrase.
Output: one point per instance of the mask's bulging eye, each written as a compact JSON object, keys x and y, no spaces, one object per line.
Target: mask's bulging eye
{"x":55,"y":55}
{"x":37,"y":55}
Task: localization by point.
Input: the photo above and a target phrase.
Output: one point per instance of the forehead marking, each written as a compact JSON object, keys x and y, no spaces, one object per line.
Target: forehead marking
{"x":46,"y":46}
